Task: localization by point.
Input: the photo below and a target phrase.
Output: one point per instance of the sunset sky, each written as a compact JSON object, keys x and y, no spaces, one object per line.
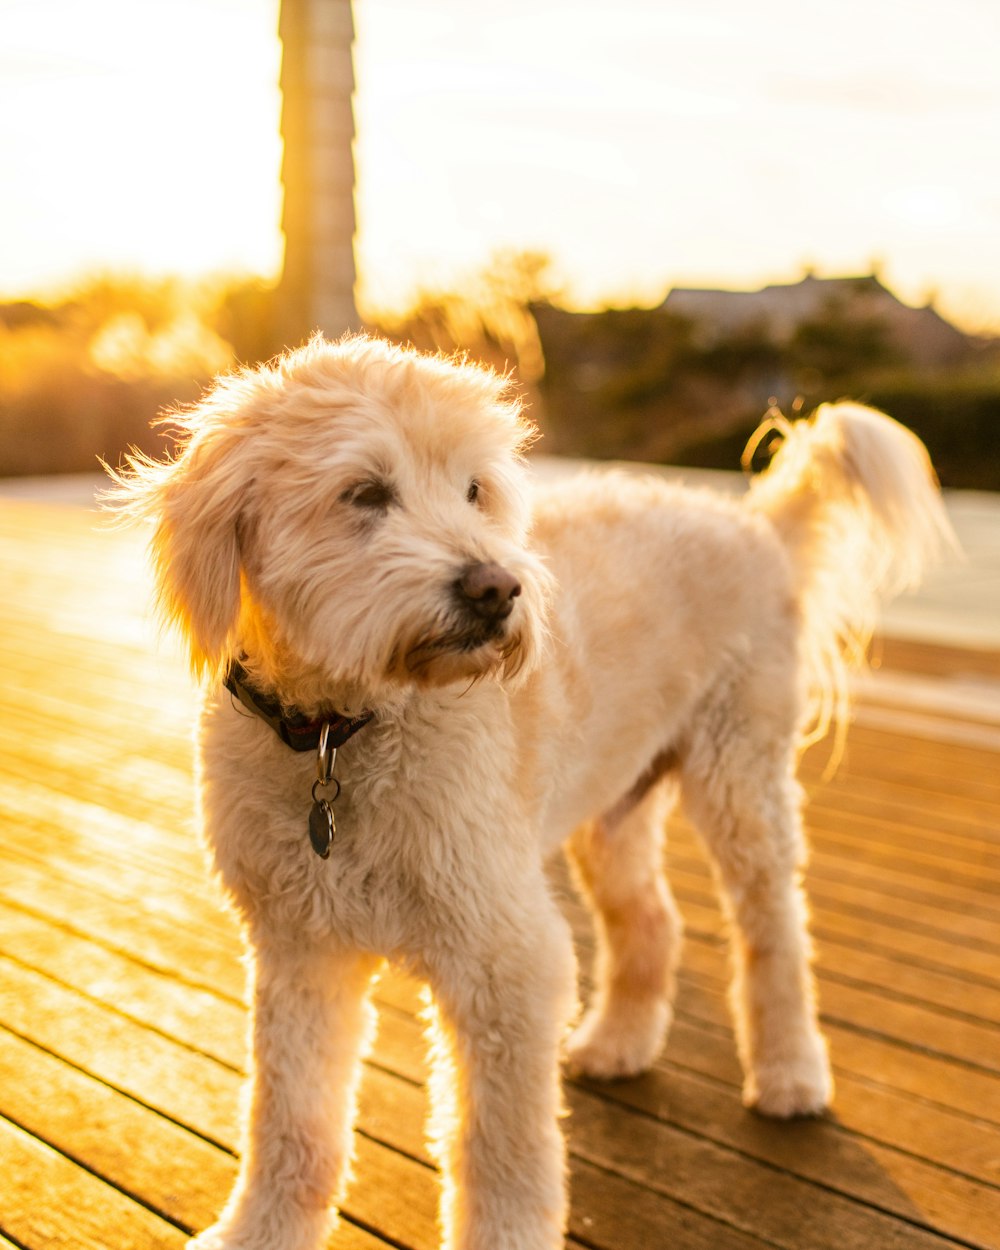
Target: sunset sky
{"x":641,"y":143}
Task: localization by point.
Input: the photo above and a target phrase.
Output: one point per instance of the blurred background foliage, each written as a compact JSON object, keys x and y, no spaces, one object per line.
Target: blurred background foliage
{"x":83,"y":377}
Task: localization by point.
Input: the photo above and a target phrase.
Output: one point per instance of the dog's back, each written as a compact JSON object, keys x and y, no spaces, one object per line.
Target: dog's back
{"x":664,"y":592}
{"x":661,"y":592}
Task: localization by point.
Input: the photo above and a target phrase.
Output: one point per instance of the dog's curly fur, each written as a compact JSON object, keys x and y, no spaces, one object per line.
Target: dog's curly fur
{"x":322,"y":520}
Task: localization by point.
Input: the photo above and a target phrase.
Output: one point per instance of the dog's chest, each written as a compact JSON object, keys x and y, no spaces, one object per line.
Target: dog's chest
{"x":417,"y":810}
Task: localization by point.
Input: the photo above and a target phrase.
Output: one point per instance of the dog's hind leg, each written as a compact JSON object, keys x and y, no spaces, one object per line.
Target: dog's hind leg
{"x":311,"y":1019}
{"x":502,"y":974}
{"x":618,"y":863}
{"x":739,"y":789}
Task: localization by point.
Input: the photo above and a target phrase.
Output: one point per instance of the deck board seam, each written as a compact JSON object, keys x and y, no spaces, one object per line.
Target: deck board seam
{"x":119,"y":1014}
{"x":172,"y":972}
{"x":827,"y":972}
{"x":91,"y":1171}
{"x":851,"y":1134}
{"x":118,"y":1089}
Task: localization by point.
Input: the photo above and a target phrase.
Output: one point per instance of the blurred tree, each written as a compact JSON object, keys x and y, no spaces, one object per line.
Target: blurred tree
{"x":490,"y":315}
{"x":839,"y":345}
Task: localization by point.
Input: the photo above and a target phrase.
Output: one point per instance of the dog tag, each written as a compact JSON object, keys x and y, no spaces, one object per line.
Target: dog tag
{"x":322,"y":827}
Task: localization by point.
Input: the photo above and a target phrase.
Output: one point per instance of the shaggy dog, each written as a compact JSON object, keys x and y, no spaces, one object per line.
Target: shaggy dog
{"x":346,"y":543}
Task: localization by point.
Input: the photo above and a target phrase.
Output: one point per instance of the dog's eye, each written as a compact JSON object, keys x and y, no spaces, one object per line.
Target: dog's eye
{"x":472,"y":494}
{"x":375,"y":496}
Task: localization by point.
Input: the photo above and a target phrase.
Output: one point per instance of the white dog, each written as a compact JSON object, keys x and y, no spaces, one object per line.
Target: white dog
{"x":346,"y":543}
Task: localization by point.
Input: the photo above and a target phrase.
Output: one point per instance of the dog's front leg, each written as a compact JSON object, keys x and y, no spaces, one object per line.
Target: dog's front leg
{"x":311,"y":1018}
{"x":504,"y":987}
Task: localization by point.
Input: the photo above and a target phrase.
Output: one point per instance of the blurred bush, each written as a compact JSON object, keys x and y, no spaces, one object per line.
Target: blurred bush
{"x":83,"y":378}
{"x":647,"y":384}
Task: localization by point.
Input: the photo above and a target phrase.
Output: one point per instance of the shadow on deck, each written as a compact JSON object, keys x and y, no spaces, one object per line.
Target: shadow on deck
{"x":122,"y":1025}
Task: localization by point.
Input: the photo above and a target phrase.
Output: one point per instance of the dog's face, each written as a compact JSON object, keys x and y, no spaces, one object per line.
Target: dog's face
{"x":356,"y":510}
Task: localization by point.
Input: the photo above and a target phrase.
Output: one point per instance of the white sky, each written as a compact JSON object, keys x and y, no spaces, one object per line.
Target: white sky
{"x":641,"y":143}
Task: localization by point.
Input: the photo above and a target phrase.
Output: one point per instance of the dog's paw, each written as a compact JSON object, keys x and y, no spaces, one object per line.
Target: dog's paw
{"x":799,"y":1083}
{"x":793,"y":1090}
{"x":222,"y":1237}
{"x":612,"y":1047}
{"x":211,"y":1239}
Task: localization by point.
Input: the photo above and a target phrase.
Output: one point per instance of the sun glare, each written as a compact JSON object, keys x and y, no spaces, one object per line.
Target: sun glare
{"x":689,"y":143}
{"x":656,"y":144}
{"x":139,"y":137}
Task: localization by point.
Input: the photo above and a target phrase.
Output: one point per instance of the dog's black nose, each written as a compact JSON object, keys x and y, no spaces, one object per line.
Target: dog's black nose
{"x":488,"y":591}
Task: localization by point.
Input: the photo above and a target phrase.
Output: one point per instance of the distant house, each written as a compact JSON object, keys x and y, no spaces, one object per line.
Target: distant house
{"x":921,"y":335}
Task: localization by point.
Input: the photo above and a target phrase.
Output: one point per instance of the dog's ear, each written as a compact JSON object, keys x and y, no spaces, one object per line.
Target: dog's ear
{"x":198,"y":505}
{"x":196,"y":551}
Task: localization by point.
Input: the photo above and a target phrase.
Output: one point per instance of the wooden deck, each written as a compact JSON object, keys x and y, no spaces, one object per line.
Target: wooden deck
{"x":122,"y":1024}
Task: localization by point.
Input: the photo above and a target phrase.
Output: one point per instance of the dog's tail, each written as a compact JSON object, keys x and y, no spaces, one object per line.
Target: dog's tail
{"x":856,"y":501}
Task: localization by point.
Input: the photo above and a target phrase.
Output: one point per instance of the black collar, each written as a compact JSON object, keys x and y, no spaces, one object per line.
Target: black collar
{"x":295,"y":730}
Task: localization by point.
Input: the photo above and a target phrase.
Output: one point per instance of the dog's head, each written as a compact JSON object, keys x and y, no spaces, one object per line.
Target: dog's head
{"x":353,"y":510}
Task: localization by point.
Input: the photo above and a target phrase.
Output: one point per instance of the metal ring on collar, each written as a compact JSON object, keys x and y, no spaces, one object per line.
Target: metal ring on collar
{"x":329,"y":798}
{"x":326,"y":757}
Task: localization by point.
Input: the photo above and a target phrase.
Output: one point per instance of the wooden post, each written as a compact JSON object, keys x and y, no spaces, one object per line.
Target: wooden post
{"x":317,"y":125}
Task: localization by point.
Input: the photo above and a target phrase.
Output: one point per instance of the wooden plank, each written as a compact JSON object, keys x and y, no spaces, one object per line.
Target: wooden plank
{"x":182,"y":1178}
{"x":937,"y":815}
{"x":918,"y":950}
{"x":894,"y":1106}
{"x":186,"y":1086}
{"x":79,"y":1211}
{"x":863,"y":896}
{"x":896,"y":766}
{"x":206,"y":1022}
{"x":837,"y":910}
{"x":825,"y":1151}
{"x":155,"y":793}
{"x":761,"y":1200}
{"x":198,"y":958}
{"x":158,"y":691}
{"x":921,"y":656}
{"x":878,"y":747}
{"x":953,"y":904}
{"x":48,"y":825}
{"x":866,"y":1052}
{"x":838,"y":914}
{"x":179,"y":1175}
{"x":962,"y":845}
{"x":970,"y":864}
{"x":43,"y":891}
{"x":702,"y":1097}
{"x":238,"y":988}
{"x":875,"y":980}
{"x":852,"y":958}
{"x":613,"y":1214}
{"x":393,"y":1191}
{"x":380,"y":1198}
{"x":873,"y":747}
{"x":916,"y":1089}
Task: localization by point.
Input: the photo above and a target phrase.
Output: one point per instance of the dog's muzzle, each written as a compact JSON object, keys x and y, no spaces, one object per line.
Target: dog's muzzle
{"x":485,"y":593}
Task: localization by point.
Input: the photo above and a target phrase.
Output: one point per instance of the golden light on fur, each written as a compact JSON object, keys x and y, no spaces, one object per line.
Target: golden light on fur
{"x":856,"y":499}
{"x":328,"y":416}
{"x":355,"y":522}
